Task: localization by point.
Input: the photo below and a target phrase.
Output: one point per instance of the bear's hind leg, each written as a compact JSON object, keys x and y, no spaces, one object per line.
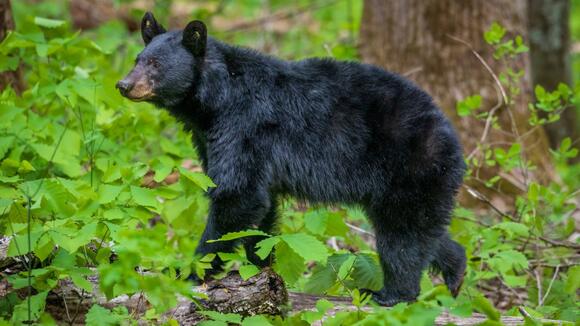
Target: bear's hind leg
{"x":451,"y":261}
{"x":407,"y":241}
{"x":403,"y":257}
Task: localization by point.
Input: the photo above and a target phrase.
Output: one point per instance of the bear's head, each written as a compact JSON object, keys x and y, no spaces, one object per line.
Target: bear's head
{"x":165,"y":70}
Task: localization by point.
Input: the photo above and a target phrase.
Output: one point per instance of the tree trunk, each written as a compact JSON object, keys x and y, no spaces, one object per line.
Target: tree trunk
{"x":431,"y":42}
{"x":549,"y":52}
{"x":13,"y":78}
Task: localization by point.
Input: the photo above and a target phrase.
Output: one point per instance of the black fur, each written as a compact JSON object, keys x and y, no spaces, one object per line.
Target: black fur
{"x":321,"y":130}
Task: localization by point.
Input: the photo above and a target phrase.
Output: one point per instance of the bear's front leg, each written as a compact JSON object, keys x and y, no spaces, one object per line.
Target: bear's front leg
{"x":231,"y":212}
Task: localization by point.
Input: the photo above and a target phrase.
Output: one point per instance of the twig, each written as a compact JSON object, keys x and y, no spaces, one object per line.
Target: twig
{"x":412,"y":71}
{"x":550,"y":286}
{"x":334,"y":244}
{"x":279,"y":16}
{"x":488,"y":123}
{"x":525,"y":313}
{"x":560,"y":243}
{"x":512,"y":290}
{"x":473,"y":221}
{"x":487,"y":67}
{"x":66,"y":310}
{"x":539,"y":285}
{"x":356,"y":228}
{"x":476,"y":194}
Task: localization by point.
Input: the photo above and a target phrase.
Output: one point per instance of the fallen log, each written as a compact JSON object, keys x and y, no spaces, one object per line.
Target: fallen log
{"x":261,"y":294}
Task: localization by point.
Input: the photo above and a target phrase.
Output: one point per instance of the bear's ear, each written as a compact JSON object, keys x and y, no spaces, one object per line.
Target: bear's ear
{"x":195,"y":38}
{"x":150,"y":28}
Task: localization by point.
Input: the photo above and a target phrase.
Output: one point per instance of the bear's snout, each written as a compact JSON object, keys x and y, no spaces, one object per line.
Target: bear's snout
{"x":136,"y":86}
{"x":123,"y":86}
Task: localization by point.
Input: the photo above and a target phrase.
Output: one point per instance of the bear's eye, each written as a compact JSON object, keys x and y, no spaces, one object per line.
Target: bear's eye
{"x":153,"y":62}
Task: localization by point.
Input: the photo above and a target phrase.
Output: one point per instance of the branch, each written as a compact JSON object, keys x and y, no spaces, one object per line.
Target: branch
{"x":487,"y":67}
{"x":279,"y":16}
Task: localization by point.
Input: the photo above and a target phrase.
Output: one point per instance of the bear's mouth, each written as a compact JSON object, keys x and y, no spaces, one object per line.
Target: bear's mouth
{"x":138,"y":93}
{"x":139,"y":97}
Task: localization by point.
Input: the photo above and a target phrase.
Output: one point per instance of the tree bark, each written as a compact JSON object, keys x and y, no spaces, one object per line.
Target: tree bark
{"x":13,"y":78}
{"x":431,"y":42}
{"x":549,"y":52}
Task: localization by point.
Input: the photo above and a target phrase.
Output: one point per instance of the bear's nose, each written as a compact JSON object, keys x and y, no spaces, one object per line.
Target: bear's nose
{"x":123,"y":86}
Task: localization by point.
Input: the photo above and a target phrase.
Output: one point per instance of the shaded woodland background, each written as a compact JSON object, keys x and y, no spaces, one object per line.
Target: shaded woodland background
{"x":506,"y":72}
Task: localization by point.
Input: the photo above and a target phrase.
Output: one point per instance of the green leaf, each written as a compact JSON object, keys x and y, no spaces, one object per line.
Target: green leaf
{"x":325,"y":276}
{"x":240,"y":234}
{"x":175,"y":208}
{"x":213,"y":323}
{"x":163,"y":166}
{"x":266,"y":246}
{"x":315,"y":221}
{"x":367,"y":273}
{"x":515,"y":281}
{"x":48,"y":23}
{"x":58,"y":198}
{"x":494,"y":34}
{"x":108,"y":193}
{"x":468,"y":105}
{"x":247,"y":271}
{"x":200,"y":179}
{"x":288,"y":263}
{"x":8,"y":63}
{"x":481,"y":304}
{"x":346,"y":267}
{"x":257,"y":320}
{"x":322,"y":306}
{"x":144,"y":197}
{"x":71,"y":241}
{"x":5,"y":145}
{"x":19,"y":243}
{"x":43,"y":247}
{"x":573,"y":280}
{"x":25,"y":167}
{"x":513,"y":228}
{"x":64,"y":260}
{"x":218,"y":316}
{"x":540,"y":93}
{"x":80,"y":281}
{"x":307,"y":246}
{"x":99,"y":316}
{"x":37,"y":302}
{"x":534,"y":191}
{"x":336,"y":225}
{"x":565,"y":91}
{"x":517,"y":259}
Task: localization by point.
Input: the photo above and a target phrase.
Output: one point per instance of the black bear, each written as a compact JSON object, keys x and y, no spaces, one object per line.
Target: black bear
{"x":318,"y":129}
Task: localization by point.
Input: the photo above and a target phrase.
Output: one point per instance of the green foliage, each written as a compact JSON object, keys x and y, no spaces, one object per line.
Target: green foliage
{"x":98,"y":315}
{"x":503,"y":248}
{"x":74,"y":160}
{"x":467,"y":106}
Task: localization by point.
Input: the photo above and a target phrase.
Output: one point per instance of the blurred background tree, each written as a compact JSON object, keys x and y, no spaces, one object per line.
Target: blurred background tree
{"x":434,"y":43}
{"x":14,"y":77}
{"x":549,"y":38}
